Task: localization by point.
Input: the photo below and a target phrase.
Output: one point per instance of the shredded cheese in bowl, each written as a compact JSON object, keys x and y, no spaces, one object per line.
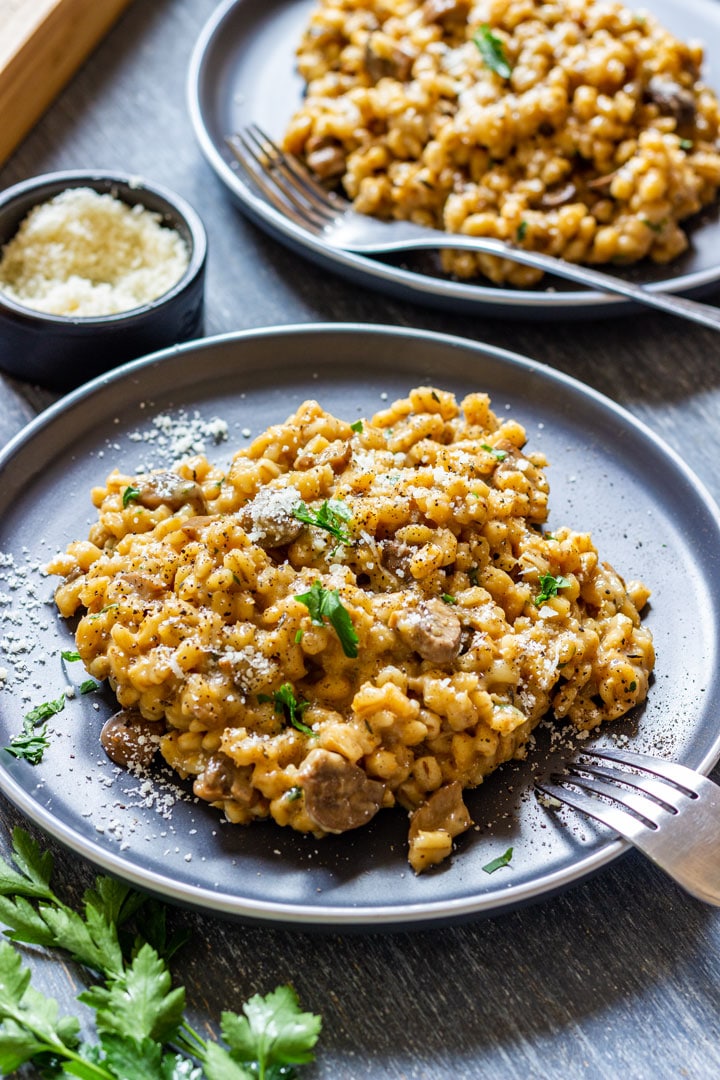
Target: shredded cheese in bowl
{"x":87,"y":254}
{"x":352,"y":617}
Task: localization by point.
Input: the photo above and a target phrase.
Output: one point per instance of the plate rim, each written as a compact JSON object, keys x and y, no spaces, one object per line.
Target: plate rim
{"x":407,"y":284}
{"x":303,"y":915}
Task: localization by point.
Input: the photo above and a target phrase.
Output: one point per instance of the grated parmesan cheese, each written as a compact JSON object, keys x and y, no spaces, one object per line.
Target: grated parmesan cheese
{"x":86,"y":254}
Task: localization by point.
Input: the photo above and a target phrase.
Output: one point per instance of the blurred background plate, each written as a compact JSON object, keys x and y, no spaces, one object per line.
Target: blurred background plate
{"x":243,"y":71}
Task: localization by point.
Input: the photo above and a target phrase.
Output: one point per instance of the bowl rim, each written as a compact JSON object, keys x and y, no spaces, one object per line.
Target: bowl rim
{"x":54,"y":183}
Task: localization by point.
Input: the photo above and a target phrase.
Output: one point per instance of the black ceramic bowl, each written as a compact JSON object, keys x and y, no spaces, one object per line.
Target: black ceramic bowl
{"x":61,"y":351}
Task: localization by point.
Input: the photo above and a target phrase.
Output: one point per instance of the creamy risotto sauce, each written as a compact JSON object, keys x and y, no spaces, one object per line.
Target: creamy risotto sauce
{"x":350,"y":617}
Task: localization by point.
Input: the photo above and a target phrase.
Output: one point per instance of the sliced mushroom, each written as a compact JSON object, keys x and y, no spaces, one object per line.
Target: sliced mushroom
{"x":431,"y":629}
{"x":129,"y":739}
{"x":394,"y":556}
{"x":193,"y":526}
{"x":671,"y":99}
{"x":222,"y":779}
{"x":444,"y":810}
{"x":338,"y":795}
{"x":336,"y":454}
{"x":169,"y":489}
{"x":397,"y":65}
{"x":268,"y":518}
{"x":437,"y":10}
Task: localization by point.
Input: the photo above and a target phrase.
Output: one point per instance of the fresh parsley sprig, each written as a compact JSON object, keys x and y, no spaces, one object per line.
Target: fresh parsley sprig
{"x":549,"y":587}
{"x":492,"y":51}
{"x":324,"y":604}
{"x":499,"y":455}
{"x":139,"y":1015}
{"x":332,"y":516}
{"x":32,"y":742}
{"x":287,"y":705}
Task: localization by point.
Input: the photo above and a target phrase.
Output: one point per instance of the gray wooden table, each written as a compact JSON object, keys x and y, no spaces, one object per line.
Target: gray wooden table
{"x":618,"y":976}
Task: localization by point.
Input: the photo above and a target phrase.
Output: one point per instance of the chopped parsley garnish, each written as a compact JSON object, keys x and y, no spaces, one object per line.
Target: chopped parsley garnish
{"x":499,"y":455}
{"x":521,"y":231}
{"x":130,"y":494}
{"x":141,"y":1029}
{"x":287,"y":705}
{"x":299,"y":635}
{"x":108,"y":607}
{"x":88,"y":686}
{"x":502,"y":860}
{"x":686,"y":144}
{"x":357,"y":427}
{"x":549,"y":586}
{"x":70,"y":656}
{"x":332,"y":516}
{"x":492,"y":51}
{"x":97,"y":614}
{"x":656,"y":226}
{"x":46,"y":710}
{"x":473,"y":575}
{"x":326,"y":604}
{"x":32,"y":742}
{"x":449,"y":598}
{"x":293,"y":793}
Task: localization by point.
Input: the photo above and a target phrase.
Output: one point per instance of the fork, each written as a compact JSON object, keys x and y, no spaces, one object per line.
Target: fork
{"x":668,"y":811}
{"x":293,"y":190}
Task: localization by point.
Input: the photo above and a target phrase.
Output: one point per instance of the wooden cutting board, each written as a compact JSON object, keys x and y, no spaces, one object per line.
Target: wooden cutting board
{"x":42,"y":43}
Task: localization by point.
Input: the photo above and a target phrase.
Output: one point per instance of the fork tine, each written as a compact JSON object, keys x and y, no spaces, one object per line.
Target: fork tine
{"x":684,"y":842}
{"x":647,"y":810}
{"x":273,"y":184}
{"x":680,"y":775}
{"x":326,"y":202}
{"x":662,"y":791}
{"x":618,"y":820}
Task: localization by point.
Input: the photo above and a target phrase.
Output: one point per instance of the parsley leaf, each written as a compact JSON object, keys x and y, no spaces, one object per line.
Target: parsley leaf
{"x":492,"y":51}
{"x":357,"y":427}
{"x":46,"y":710}
{"x":272,"y":1032}
{"x":130,"y":494}
{"x":29,"y":1020}
{"x":549,"y":586}
{"x":326,"y":604}
{"x":140,"y":1002}
{"x":449,"y":598}
{"x":502,"y":860}
{"x":287,"y":705}
{"x":332,"y":516}
{"x":71,"y":656}
{"x":32,"y":742}
{"x":521,"y":231}
{"x":500,"y":455}
{"x":88,"y":685}
{"x":138,"y":1013}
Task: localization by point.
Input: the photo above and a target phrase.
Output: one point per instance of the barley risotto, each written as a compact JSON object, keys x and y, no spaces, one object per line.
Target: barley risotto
{"x":351,"y":616}
{"x":579,"y":128}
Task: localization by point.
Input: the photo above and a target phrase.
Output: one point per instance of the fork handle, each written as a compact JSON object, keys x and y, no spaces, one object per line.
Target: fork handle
{"x":704,"y":314}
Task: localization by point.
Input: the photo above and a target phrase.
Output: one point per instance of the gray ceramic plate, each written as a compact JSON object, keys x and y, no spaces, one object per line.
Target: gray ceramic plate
{"x":243,"y":71}
{"x":608,"y":474}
